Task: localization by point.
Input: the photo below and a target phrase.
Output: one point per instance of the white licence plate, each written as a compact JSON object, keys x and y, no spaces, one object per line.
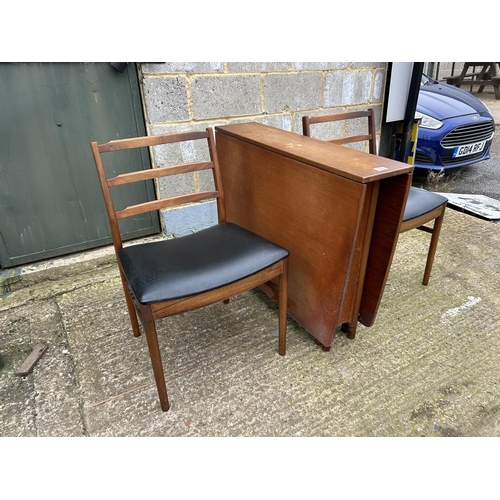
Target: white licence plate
{"x":468,"y":149}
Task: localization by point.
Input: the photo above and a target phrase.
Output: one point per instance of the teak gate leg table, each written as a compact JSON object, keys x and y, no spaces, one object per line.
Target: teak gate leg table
{"x":336,"y":210}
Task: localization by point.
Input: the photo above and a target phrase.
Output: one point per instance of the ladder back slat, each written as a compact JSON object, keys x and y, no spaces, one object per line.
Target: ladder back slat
{"x":154,"y":173}
{"x":338,"y":116}
{"x":350,"y":138}
{"x":165,"y":203}
{"x":153,"y":140}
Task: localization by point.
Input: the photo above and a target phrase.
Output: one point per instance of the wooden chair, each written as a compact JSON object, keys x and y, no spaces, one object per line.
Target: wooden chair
{"x":421,"y":206}
{"x":168,"y":277}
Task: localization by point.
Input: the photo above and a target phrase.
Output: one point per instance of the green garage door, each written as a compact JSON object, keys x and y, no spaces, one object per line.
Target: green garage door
{"x":50,"y":200}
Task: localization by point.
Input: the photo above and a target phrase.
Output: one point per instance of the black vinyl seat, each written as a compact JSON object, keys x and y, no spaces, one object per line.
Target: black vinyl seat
{"x":196,"y":263}
{"x":421,"y":202}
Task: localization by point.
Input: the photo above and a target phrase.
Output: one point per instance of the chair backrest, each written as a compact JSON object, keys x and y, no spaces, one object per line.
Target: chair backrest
{"x":156,"y":173}
{"x":346,"y":139}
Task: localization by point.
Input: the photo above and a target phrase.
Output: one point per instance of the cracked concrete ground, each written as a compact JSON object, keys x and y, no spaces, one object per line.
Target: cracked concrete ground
{"x":428,"y":367}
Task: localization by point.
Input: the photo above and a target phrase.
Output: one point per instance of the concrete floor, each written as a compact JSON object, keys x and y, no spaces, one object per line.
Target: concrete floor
{"x":428,"y":367}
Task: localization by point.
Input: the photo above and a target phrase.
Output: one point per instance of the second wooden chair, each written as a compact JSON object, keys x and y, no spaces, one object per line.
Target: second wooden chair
{"x":422,"y":206}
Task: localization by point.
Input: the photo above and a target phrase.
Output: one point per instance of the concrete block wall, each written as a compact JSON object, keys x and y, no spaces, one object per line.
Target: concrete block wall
{"x":189,"y":95}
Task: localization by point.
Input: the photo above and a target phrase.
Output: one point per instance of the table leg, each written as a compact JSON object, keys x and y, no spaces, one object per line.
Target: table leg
{"x":350,"y":329}
{"x":324,"y":347}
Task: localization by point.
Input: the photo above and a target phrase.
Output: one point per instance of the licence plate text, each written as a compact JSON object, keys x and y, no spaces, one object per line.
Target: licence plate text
{"x":468,"y":149}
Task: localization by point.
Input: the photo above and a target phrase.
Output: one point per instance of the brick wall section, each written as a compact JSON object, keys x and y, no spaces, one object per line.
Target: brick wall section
{"x":184,"y":96}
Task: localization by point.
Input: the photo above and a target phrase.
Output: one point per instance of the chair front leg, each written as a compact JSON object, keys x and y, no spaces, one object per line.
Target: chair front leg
{"x":436,"y":230}
{"x":154,"y":353}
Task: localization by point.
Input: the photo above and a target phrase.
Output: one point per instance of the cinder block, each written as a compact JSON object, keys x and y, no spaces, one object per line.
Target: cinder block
{"x":215,"y":97}
{"x":292,"y":92}
{"x":166,"y":99}
{"x":378,"y":86}
{"x":359,"y":65}
{"x":189,"y":219}
{"x":247,"y":67}
{"x":332,"y":92}
{"x":322,"y":131}
{"x":282,"y":121}
{"x":347,"y":88}
{"x":170,"y":154}
{"x":301,"y":66}
{"x":182,"y":127}
{"x":182,"y":67}
{"x":205,"y":180}
{"x":176,"y":185}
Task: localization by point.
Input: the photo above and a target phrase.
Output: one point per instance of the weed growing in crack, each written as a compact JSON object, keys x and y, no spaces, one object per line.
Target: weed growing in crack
{"x":441,"y":181}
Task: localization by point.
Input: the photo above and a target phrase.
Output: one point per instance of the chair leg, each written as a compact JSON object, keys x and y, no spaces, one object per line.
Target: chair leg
{"x":130,"y":307}
{"x":133,"y":316}
{"x":438,"y":222}
{"x":154,"y":353}
{"x":283,"y":306}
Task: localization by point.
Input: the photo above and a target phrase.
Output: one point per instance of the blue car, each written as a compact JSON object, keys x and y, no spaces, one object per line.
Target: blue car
{"x":456,"y":128}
